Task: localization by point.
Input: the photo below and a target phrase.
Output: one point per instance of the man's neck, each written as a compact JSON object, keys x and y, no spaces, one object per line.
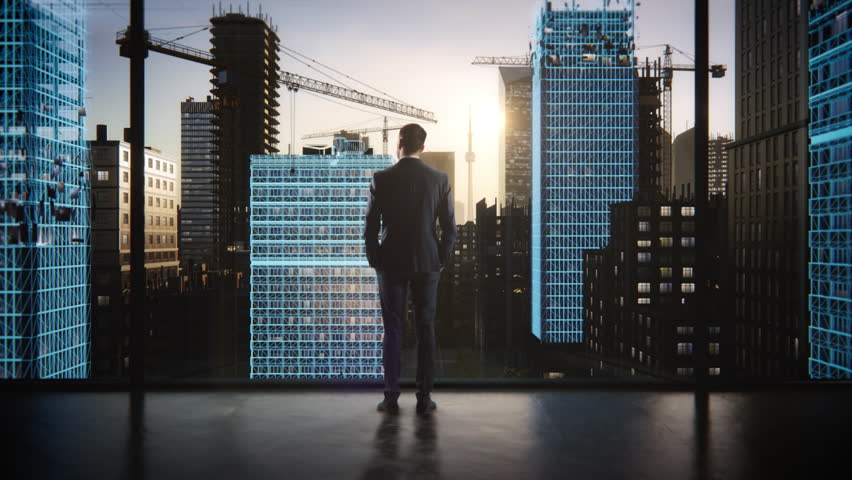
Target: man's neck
{"x":410,"y":155}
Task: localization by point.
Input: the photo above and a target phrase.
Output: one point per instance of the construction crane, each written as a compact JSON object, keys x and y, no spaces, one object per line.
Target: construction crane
{"x":668,"y":69}
{"x":384,"y":129}
{"x":290,"y":80}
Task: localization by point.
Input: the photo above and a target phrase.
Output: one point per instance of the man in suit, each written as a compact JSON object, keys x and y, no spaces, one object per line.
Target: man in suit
{"x":404,"y":248}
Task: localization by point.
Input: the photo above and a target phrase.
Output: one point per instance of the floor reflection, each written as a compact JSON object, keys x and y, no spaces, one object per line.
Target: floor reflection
{"x":135,"y":444}
{"x":424,"y":451}
{"x":421,"y":459}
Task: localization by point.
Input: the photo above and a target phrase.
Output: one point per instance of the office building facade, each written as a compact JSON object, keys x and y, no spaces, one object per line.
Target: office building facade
{"x":717,"y":165}
{"x":110,"y":199}
{"x":199,"y":180}
{"x":830,"y":271}
{"x":767,"y":198}
{"x":640,"y":312}
{"x":513,"y":169}
{"x":583,"y":116}
{"x":315,"y":309}
{"x":44,"y":182}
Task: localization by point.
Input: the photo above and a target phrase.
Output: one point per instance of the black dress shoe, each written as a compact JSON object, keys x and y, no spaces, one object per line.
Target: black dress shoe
{"x":425,"y":404}
{"x":389,"y":404}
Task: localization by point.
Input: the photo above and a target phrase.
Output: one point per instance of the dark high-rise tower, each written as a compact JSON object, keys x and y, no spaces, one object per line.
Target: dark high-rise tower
{"x":246,"y":87}
{"x":199,"y":213}
{"x":767,"y":200}
{"x":515,"y":148}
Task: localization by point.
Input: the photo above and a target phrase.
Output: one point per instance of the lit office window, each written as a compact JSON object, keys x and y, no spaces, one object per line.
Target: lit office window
{"x":665,"y":288}
{"x":714,"y":371}
{"x":643,"y":287}
{"x":687,"y":272}
{"x":684,"y":348}
{"x":643,"y":243}
{"x":665,"y":272}
{"x":687,"y":287}
{"x":666,"y":241}
{"x":103,"y":175}
{"x":687,"y":241}
{"x":687,"y":211}
{"x":713,"y":348}
{"x":666,"y":211}
{"x":644,"y":226}
{"x":643,"y":257}
{"x":643,"y":301}
{"x":685,"y":330}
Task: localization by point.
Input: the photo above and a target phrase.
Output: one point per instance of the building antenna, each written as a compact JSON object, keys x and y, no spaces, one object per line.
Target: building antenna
{"x":469,"y":158}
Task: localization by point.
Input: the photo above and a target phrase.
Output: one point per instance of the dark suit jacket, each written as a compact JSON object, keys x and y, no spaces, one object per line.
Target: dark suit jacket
{"x":405,"y":199}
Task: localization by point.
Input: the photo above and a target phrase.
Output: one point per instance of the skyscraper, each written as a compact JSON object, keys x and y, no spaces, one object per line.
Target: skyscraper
{"x":767,"y":201}
{"x":830,"y":209}
{"x":445,"y":162}
{"x":246,"y":87}
{"x":515,"y":150}
{"x":683,"y":165}
{"x":199,"y":178}
{"x":717,"y":165}
{"x":314,"y":300}
{"x":44,"y":182}
{"x":583,"y":146}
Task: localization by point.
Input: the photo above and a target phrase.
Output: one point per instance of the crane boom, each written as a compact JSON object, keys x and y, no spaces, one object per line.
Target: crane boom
{"x":522,"y":61}
{"x":336,"y":132}
{"x":292,"y":80}
{"x":331,"y":90}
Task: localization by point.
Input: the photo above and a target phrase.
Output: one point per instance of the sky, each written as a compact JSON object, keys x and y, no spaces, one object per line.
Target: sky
{"x":417,"y":51}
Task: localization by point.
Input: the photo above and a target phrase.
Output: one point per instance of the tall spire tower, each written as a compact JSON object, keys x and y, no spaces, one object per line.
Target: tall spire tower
{"x":469,"y":157}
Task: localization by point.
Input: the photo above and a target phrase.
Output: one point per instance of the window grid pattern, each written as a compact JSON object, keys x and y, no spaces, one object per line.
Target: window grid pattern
{"x":830,"y":204}
{"x":44,"y":174}
{"x":315,"y":309}
{"x":583,"y":153}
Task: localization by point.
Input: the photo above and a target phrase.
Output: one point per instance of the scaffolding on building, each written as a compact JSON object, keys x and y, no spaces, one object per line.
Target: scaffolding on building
{"x":583,"y":152}
{"x":44,"y":194}
{"x":315,"y":309}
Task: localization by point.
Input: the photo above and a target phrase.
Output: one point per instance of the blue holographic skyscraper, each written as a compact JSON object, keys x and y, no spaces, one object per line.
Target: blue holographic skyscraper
{"x":830,"y":61}
{"x":44,"y":195}
{"x":314,"y":299}
{"x":582,"y":151}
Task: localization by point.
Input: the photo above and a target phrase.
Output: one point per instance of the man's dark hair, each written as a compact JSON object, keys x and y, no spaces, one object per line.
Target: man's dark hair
{"x":412,"y":137}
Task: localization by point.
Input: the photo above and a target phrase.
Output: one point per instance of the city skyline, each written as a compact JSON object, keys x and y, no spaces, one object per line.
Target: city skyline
{"x":446,"y":83}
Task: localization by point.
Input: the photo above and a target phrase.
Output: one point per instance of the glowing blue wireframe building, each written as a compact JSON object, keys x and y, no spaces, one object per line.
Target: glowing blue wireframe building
{"x":315,"y":309}
{"x":830,"y":203}
{"x":582,"y":151}
{"x":44,"y":200}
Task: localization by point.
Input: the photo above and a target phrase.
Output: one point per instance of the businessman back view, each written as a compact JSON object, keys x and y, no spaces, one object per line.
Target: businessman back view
{"x":403,"y":246}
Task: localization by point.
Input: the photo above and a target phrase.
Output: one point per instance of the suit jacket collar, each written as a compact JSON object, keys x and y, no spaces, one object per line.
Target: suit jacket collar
{"x":409,"y":158}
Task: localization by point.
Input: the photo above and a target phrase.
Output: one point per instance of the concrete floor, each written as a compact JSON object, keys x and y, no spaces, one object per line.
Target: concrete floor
{"x":323,"y":434}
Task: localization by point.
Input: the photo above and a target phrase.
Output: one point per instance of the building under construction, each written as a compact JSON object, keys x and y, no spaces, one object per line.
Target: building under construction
{"x":245,"y":83}
{"x":653,"y":142}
